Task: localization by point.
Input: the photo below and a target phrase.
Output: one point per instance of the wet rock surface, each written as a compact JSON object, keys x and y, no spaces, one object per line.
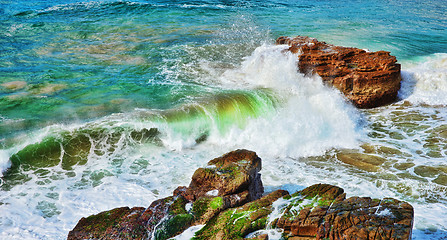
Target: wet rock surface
{"x":368,"y":79}
{"x":226,"y":197}
{"x":322,"y":212}
{"x":226,"y":182}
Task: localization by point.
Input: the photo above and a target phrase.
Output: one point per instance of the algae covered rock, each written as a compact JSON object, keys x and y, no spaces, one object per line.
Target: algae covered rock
{"x":236,"y":223}
{"x":225,"y":197}
{"x":118,"y":223}
{"x":233,"y":173}
{"x":322,"y":212}
{"x":226,"y":182}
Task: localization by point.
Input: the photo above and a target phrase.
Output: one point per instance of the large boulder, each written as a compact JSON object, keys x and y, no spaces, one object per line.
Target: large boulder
{"x":319,"y":212}
{"x":368,"y":79}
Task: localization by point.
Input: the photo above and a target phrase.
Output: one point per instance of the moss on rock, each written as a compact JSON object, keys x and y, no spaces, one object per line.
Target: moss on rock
{"x":236,"y":223}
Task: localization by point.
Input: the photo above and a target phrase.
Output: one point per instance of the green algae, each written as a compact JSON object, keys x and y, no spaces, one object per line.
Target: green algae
{"x":172,"y":226}
{"x":216,"y":203}
{"x":236,"y":223}
{"x":426,"y":171}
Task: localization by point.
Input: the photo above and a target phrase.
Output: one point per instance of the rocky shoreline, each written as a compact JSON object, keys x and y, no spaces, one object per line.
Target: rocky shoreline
{"x":367,"y":79}
{"x":226,"y":199}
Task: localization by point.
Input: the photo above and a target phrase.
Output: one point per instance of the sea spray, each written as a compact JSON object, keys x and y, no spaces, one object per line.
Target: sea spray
{"x":425,"y":82}
{"x":311,"y":118}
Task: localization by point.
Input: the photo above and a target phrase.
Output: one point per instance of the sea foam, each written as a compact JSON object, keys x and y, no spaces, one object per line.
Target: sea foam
{"x":426,"y":81}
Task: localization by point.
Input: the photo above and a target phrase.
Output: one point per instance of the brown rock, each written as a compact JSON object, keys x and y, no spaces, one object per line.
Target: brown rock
{"x":228,"y":181}
{"x":368,"y":79}
{"x":119,"y":223}
{"x":225,"y":196}
{"x":233,"y":173}
{"x":324,"y":213}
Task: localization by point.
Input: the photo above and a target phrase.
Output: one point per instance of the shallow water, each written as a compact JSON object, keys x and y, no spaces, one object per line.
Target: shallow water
{"x":115,"y":103}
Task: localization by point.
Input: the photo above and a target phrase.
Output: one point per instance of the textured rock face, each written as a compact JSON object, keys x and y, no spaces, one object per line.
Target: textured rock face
{"x":225,"y":196}
{"x":226,"y":182}
{"x":324,"y":213}
{"x":368,"y":79}
{"x":235,"y":172}
{"x":238,"y":222}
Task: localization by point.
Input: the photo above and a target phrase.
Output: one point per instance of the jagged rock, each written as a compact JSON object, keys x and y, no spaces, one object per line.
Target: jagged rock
{"x":236,"y":223}
{"x":322,"y":212}
{"x":226,"y":182}
{"x":233,"y":173}
{"x":119,"y":223}
{"x":224,"y":196}
{"x":368,"y":79}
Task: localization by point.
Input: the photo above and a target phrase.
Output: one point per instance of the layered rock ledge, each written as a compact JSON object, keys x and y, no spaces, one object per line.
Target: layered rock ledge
{"x":368,"y":79}
{"x":226,"y":197}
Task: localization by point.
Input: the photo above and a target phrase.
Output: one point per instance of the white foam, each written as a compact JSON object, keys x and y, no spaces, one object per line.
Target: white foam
{"x":311,"y":118}
{"x":4,"y":161}
{"x":426,"y":81}
{"x":188,"y":233}
{"x":213,"y":193}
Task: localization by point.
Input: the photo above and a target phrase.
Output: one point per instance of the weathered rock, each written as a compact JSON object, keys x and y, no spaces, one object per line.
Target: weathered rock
{"x":224,"y":197}
{"x":236,"y":223}
{"x":119,"y":223}
{"x":233,"y":173}
{"x":368,"y":79}
{"x":322,"y":212}
{"x":228,"y":181}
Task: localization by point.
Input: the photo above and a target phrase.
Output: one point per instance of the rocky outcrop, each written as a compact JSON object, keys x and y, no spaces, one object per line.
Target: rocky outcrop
{"x":226,"y":197}
{"x":228,"y":181}
{"x":368,"y":79}
{"x":322,"y":212}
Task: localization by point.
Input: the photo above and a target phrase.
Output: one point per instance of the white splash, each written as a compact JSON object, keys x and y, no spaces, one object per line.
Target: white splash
{"x":188,"y":233}
{"x":426,"y":82}
{"x":311,"y":118}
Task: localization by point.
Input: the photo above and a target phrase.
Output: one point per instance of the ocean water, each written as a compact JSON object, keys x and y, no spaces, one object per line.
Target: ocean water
{"x":113,"y":103}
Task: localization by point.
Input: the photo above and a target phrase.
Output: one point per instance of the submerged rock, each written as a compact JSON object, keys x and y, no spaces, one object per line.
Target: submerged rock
{"x":225,"y":197}
{"x":14,"y":85}
{"x":368,"y":79}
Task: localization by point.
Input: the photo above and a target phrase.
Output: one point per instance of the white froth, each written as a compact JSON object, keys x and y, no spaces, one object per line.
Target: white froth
{"x":312,"y":118}
{"x":188,"y":233}
{"x":213,"y":193}
{"x":426,"y":82}
{"x":4,"y":162}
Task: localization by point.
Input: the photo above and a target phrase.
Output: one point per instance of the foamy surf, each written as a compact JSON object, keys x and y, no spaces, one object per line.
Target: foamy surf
{"x":426,"y":81}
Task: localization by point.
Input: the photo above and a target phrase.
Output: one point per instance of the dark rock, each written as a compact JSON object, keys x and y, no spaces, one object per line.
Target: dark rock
{"x":233,"y":173}
{"x":368,"y":79}
{"x":119,"y":223}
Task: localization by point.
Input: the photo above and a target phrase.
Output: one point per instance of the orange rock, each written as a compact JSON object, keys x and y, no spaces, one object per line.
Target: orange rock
{"x":368,"y":79}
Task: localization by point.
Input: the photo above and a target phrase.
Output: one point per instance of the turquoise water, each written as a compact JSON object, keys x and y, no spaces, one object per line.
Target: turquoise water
{"x":123,"y":100}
